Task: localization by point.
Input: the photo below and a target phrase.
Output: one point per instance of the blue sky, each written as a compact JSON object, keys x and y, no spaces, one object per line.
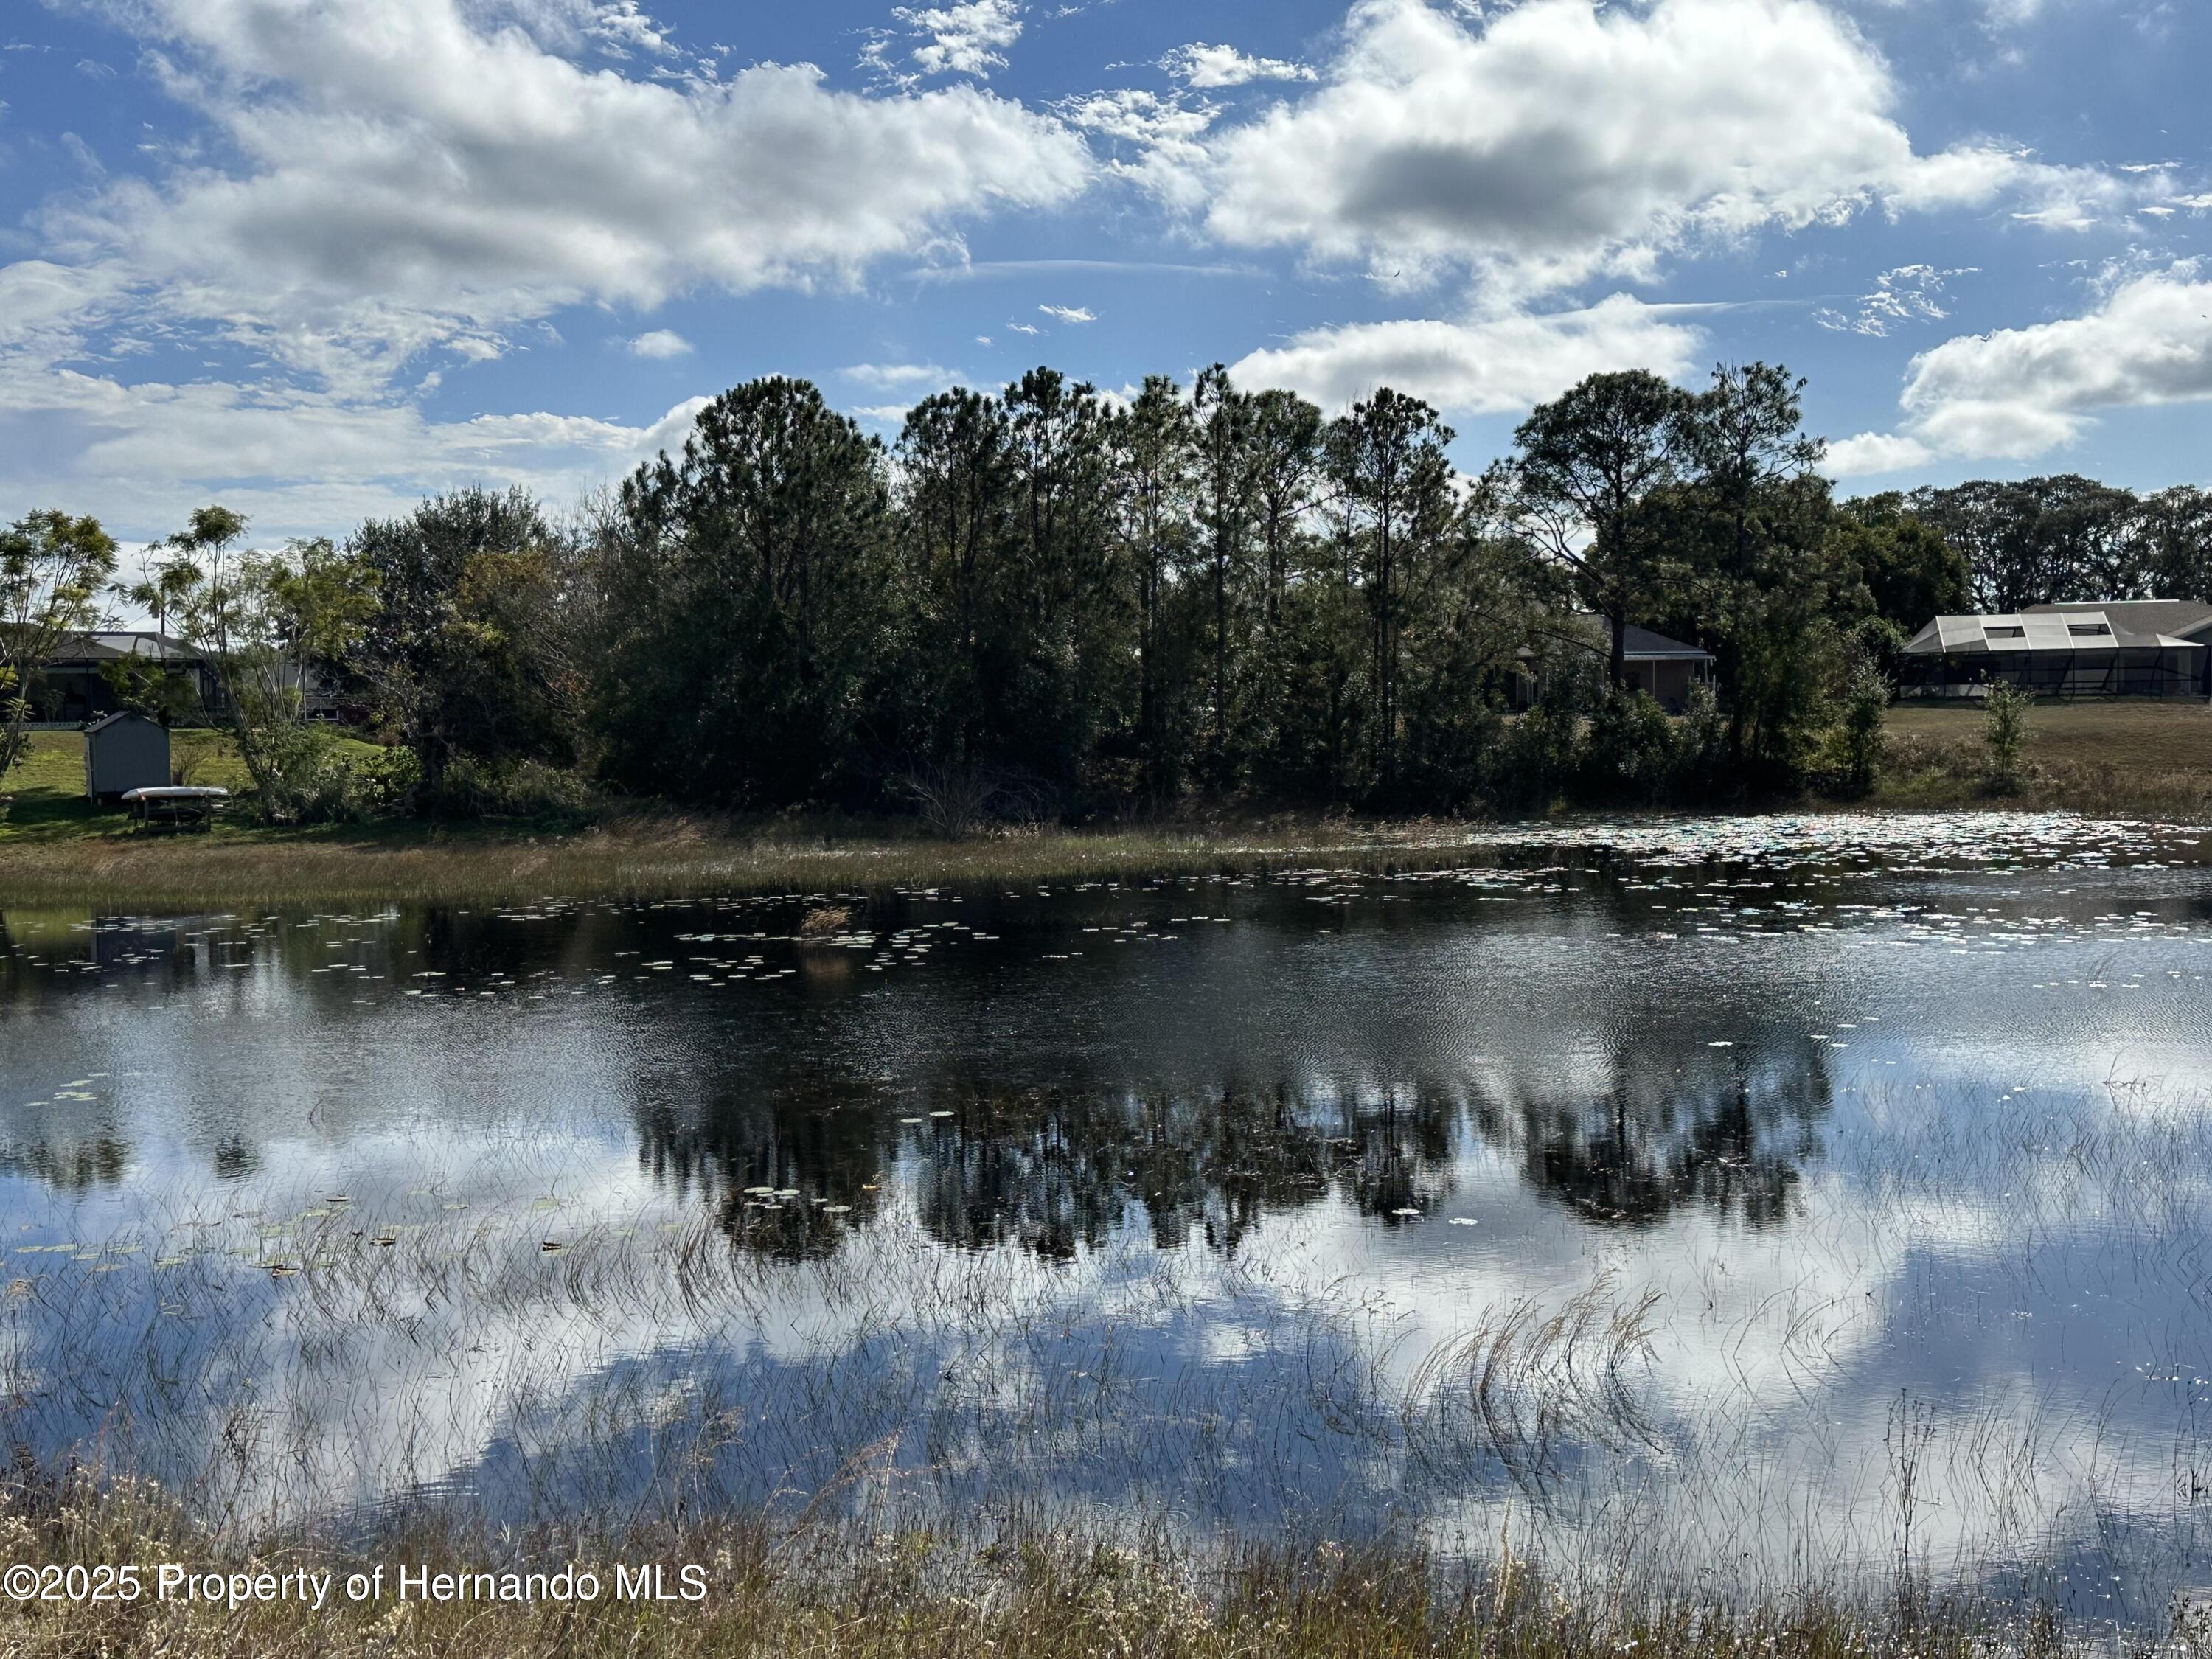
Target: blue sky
{"x":313,"y":258}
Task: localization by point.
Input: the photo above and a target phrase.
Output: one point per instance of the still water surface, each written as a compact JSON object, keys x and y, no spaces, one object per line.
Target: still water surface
{"x":1741,"y":1203}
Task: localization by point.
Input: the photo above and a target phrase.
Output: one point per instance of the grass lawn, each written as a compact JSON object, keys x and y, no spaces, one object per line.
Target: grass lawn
{"x":44,"y":800}
{"x":2140,"y":757}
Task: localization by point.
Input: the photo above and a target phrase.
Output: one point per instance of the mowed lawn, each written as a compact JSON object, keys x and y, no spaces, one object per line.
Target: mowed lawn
{"x":43,"y":799}
{"x":2142,"y":755}
{"x":2145,"y":736}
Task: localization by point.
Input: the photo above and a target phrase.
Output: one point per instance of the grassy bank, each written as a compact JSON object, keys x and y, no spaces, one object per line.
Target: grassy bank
{"x":2142,"y":759}
{"x":642,"y":855}
{"x":838,"y":1590}
{"x":43,"y":798}
{"x":56,"y":846}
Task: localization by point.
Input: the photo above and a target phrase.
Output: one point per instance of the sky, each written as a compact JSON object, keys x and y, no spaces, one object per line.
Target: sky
{"x":314,"y":259}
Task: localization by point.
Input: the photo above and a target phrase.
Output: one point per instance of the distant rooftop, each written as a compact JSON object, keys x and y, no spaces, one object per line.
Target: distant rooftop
{"x":113,"y":645}
{"x":1643,"y":644}
{"x":2131,"y":625}
{"x":2184,"y":618}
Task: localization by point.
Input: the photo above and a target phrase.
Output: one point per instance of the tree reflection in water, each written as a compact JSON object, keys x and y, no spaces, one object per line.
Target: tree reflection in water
{"x":74,"y":1168}
{"x":786,"y":1175}
{"x":1055,"y":1171}
{"x":1665,"y":1139}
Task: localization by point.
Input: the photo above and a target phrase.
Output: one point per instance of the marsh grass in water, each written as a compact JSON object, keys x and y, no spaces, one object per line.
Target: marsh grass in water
{"x":831,"y":1588}
{"x":356,"y":1365}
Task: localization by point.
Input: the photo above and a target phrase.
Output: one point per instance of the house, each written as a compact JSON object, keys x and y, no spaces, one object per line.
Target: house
{"x":2180,"y":619}
{"x":75,"y":685}
{"x":1651,"y":662}
{"x":123,"y":752}
{"x":78,"y":682}
{"x":2109,"y":648}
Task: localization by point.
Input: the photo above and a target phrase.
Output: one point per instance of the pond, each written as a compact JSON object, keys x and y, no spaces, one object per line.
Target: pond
{"x":1730,"y":1203}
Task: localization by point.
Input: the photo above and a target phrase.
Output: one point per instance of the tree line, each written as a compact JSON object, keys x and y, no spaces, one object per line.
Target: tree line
{"x":1050,"y":602}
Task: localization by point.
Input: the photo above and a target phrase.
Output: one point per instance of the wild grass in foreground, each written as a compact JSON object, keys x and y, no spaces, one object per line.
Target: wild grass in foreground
{"x":667,"y":855}
{"x":838,"y":1590}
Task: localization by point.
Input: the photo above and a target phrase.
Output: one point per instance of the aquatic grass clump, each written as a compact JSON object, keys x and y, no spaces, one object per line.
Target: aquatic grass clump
{"x":1530,"y":1384}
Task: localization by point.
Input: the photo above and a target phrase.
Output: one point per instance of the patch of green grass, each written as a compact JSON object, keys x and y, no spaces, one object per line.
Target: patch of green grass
{"x":43,"y":802}
{"x":45,"y":799}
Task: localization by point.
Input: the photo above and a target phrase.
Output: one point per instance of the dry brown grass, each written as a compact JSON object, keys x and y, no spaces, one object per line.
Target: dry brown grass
{"x":852,"y":1594}
{"x":649,"y":854}
{"x":2146,"y":757}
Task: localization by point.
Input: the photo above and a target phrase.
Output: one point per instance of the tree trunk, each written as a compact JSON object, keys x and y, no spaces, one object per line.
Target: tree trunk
{"x":1220,"y":653}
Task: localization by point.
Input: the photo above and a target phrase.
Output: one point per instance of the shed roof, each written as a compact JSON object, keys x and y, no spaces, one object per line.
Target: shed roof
{"x":120,"y":714}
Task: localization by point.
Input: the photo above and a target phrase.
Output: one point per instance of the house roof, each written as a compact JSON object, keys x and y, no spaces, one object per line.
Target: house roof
{"x":113,"y":646}
{"x":2069,"y":629}
{"x":1640,"y":645}
{"x":2182,"y":618}
{"x":1643,"y":645}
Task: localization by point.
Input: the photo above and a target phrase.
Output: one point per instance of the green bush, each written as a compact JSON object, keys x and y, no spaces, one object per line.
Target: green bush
{"x":1630,"y":753}
{"x":519,"y":789}
{"x":2004,"y":732}
{"x":1538,"y":757}
{"x":315,"y":776}
{"x":1858,"y":743}
{"x":1701,"y":749}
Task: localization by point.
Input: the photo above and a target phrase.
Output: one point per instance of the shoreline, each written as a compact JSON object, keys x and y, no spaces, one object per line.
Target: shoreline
{"x":2101,"y":761}
{"x":677,"y":856}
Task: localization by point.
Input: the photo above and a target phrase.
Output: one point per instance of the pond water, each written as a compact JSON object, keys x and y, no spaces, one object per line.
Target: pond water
{"x":1728,"y":1203}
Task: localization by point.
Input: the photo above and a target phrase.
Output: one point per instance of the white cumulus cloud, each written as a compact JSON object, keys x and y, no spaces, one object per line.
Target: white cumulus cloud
{"x":403,"y":172}
{"x":1157,"y":139}
{"x":968,"y":38}
{"x":380,"y":194}
{"x":660,"y":343}
{"x":1559,"y":140}
{"x":1492,"y":366}
{"x":1205,"y":66}
{"x":2018,"y":392}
